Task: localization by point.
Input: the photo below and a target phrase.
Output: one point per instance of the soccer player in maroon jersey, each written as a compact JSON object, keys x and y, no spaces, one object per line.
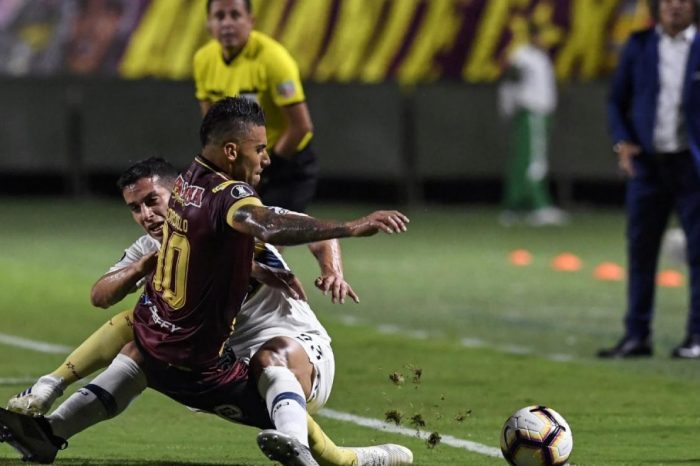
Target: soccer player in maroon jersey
{"x":146,"y":189}
{"x":202,"y":274}
{"x":188,"y":307}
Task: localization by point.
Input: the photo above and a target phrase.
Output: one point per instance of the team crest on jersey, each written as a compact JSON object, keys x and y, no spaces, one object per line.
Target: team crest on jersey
{"x":187,"y":194}
{"x":240,"y":191}
{"x":287,"y":88}
{"x":145,"y":300}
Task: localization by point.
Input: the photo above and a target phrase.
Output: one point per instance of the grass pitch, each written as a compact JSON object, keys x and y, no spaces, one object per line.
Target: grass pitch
{"x":441,"y":300}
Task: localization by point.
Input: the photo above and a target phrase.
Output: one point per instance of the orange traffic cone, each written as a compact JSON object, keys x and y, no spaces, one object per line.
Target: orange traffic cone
{"x":566,"y":262}
{"x":669,"y":278}
{"x":609,"y":271}
{"x":520,"y":257}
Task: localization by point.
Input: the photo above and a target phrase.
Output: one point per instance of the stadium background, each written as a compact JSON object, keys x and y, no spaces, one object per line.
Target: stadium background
{"x":402,"y":92}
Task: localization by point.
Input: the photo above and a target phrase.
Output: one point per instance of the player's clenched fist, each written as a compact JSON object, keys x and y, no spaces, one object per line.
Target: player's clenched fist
{"x":388,"y":221}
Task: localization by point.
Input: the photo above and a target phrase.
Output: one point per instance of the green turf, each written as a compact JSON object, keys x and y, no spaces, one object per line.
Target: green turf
{"x":447,"y":277}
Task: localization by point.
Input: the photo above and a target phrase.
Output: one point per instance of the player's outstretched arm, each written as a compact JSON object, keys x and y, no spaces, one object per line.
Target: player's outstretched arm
{"x":289,"y":229}
{"x":329,"y":258}
{"x":112,"y":287}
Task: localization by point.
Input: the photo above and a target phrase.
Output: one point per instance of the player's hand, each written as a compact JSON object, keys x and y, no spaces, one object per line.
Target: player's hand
{"x":626,"y":151}
{"x":147,"y":263}
{"x":296,"y":288}
{"x":337,"y":286}
{"x":279,"y":278}
{"x":388,"y":221}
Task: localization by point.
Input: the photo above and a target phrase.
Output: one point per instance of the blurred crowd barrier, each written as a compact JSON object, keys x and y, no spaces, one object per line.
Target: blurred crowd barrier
{"x":368,"y":41}
{"x":442,"y":132}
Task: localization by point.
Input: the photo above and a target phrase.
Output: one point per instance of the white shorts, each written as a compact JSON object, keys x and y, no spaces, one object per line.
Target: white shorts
{"x":321,"y":357}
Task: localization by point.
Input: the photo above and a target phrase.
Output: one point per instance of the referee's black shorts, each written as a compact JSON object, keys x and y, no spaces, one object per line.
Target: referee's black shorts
{"x":290,"y":183}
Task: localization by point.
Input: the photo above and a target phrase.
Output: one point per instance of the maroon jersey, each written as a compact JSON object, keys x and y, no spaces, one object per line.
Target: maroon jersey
{"x":189,"y":305}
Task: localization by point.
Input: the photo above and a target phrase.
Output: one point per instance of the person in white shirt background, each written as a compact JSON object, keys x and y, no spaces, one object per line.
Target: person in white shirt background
{"x":528,"y":99}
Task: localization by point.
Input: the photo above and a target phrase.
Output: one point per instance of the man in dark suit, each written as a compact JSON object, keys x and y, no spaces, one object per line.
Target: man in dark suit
{"x":654,"y":113}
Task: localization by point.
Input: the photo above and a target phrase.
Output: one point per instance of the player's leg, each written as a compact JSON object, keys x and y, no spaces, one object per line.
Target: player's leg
{"x":95,"y":353}
{"x":516,"y":179}
{"x":40,"y":438}
{"x":310,"y":358}
{"x":543,"y":210}
{"x":537,"y":161}
{"x":515,"y":196}
{"x":327,"y":453}
{"x":319,"y":364}
{"x":105,"y":397}
{"x":649,"y":205}
{"x":688,"y":207}
{"x":285,"y":380}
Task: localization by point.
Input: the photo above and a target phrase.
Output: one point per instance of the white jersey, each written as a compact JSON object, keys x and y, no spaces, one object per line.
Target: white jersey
{"x":267,"y":312}
{"x":535,"y":90}
{"x":142,"y":247}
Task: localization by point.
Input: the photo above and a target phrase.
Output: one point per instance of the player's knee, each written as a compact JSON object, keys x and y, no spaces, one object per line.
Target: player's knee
{"x":268,"y":357}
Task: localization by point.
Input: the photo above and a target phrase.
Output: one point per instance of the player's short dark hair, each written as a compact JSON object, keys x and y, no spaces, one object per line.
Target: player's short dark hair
{"x":230,"y":116}
{"x":247,"y":4}
{"x":654,"y":9}
{"x":148,"y":168}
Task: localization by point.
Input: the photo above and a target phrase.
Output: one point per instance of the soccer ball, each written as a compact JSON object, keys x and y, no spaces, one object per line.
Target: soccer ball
{"x":536,"y":436}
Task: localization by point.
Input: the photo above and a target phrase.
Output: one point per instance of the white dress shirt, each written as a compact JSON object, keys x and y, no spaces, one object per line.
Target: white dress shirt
{"x":669,"y":130}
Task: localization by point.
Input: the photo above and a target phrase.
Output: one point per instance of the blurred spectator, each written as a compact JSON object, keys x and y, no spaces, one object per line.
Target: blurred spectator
{"x":45,"y":37}
{"x":528,"y":98}
{"x":654,"y":113}
{"x":99,"y":34}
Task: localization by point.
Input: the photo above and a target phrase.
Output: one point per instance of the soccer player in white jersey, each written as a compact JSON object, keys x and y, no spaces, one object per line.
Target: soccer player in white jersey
{"x":268,"y":319}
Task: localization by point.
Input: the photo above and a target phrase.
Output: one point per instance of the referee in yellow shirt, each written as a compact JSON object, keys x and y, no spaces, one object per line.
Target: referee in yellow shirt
{"x":240,"y":61}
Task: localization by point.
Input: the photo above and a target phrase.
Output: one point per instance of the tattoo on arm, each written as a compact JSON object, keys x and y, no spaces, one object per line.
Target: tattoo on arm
{"x":286,"y":229}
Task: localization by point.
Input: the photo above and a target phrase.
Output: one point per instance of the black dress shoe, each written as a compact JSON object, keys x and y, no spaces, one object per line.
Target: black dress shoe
{"x":689,"y":349}
{"x":629,"y":348}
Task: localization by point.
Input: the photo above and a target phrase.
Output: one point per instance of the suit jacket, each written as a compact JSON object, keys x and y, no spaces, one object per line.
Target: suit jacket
{"x":635,"y":89}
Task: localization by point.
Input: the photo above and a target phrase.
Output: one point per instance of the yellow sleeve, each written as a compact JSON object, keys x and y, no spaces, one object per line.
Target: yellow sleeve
{"x":198,"y":65}
{"x":284,"y":79}
{"x":238,"y":204}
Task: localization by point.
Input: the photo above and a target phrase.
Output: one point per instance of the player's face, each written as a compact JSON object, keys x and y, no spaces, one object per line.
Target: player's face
{"x":251,"y":156}
{"x":148,"y":201}
{"x":676,"y":15}
{"x":230,"y":23}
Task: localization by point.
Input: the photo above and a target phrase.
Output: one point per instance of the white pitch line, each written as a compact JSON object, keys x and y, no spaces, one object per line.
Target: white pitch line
{"x":514,"y":349}
{"x":329,"y":413}
{"x":469,"y":342}
{"x":34,"y":345}
{"x":383,"y":426}
{"x":17,"y":380}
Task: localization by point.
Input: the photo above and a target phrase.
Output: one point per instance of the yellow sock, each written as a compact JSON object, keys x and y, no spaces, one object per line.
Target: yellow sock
{"x":324,"y":450}
{"x":98,"y":350}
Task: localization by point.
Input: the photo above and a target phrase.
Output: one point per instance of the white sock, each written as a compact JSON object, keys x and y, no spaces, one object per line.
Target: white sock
{"x":285,"y":402}
{"x":105,"y":397}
